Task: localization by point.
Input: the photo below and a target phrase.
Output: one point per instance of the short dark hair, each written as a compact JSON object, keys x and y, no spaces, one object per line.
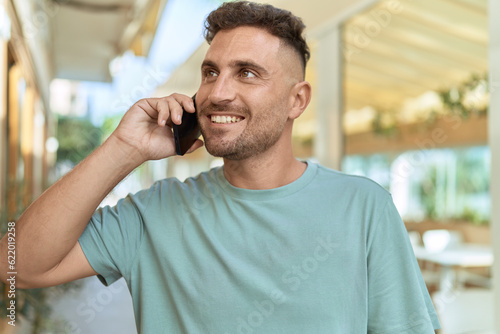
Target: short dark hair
{"x":278,"y":22}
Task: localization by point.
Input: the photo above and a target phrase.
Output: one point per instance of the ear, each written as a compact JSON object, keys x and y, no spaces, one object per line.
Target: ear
{"x":300,"y":96}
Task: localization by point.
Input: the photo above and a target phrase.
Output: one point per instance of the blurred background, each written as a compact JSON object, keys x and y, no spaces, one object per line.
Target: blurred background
{"x":405,"y":93}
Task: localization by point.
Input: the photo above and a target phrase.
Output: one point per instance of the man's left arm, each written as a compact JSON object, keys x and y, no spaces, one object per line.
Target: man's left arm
{"x":398,"y":300}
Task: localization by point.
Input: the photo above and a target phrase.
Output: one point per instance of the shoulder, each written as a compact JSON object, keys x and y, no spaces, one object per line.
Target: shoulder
{"x":349,"y":185}
{"x":163,"y":195}
{"x":191,"y":186}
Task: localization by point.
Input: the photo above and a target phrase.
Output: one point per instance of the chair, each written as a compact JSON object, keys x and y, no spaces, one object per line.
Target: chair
{"x":438,"y":240}
{"x":430,"y":275}
{"x":415,"y":238}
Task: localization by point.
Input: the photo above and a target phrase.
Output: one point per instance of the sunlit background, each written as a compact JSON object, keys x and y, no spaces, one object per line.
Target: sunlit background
{"x":402,"y":94}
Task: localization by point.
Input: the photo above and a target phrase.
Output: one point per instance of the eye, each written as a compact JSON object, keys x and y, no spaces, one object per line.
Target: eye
{"x":209,"y":73}
{"x":247,"y":74}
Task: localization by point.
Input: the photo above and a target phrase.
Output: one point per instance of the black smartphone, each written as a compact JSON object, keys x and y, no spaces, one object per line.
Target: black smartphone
{"x":186,"y":134}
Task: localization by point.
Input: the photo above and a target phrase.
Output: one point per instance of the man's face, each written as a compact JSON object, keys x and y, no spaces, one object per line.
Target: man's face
{"x":244,"y":94}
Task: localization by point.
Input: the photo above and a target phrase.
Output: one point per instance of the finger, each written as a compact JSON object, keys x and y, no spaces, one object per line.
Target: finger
{"x":185,"y":101}
{"x":177,"y":104}
{"x":175,"y":109}
{"x":189,"y":105}
{"x":163,"y":112}
{"x":148,"y":106}
{"x":167,"y":109}
{"x":197,"y":144}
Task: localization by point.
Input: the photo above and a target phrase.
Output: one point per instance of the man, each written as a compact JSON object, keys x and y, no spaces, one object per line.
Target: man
{"x":264,"y":244}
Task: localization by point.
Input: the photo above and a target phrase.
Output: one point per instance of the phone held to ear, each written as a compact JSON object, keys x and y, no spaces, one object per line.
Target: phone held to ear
{"x":188,"y":132}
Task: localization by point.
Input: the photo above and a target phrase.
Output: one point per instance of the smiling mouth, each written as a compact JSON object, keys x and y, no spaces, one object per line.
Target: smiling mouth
{"x":218,"y":119}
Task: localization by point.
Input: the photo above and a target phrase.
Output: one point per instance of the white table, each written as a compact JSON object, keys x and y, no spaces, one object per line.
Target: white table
{"x":452,"y":259}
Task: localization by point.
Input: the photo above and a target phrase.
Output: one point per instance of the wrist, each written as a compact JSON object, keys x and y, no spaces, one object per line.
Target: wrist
{"x":122,"y":154}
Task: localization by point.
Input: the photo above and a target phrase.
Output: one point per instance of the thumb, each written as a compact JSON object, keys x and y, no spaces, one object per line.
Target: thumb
{"x":197,"y":144}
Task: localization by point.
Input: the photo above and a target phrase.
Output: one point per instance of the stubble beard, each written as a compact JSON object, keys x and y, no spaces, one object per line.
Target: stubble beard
{"x":260,"y":134}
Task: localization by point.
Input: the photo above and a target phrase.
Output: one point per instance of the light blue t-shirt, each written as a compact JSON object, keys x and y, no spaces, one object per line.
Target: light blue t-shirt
{"x":325,"y":254}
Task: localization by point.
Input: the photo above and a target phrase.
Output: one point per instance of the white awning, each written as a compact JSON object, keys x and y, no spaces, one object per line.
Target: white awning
{"x":88,"y":34}
{"x":77,"y":39}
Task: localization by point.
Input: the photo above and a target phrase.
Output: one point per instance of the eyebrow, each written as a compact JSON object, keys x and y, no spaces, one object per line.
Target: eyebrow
{"x":238,"y":64}
{"x":208,"y":63}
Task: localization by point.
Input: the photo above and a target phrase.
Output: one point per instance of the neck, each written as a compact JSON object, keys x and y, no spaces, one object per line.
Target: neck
{"x":274,"y":168}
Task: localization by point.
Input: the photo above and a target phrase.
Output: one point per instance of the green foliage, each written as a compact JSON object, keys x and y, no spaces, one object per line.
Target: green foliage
{"x":470,"y":181}
{"x":77,"y":138}
{"x":110,"y":124}
{"x":464,"y":100}
{"x":473,"y":176}
{"x":384,"y":123}
{"x":454,"y":99}
{"x":428,"y":193}
{"x":31,"y":305}
{"x":472,"y":216}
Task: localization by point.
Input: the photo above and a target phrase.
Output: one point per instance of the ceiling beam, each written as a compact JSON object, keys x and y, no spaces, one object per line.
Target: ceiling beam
{"x":473,"y":6}
{"x":470,"y":29}
{"x":419,"y":37}
{"x":441,"y":75}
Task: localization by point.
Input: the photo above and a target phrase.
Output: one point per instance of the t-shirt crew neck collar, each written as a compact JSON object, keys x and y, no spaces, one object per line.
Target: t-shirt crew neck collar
{"x":267,"y":194}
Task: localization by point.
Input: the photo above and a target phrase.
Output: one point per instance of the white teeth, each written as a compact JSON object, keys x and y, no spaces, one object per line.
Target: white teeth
{"x":225,"y":119}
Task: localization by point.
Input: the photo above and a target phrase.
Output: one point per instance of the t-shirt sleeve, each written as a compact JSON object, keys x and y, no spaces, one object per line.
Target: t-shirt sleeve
{"x":113,"y":236}
{"x":398,"y":300}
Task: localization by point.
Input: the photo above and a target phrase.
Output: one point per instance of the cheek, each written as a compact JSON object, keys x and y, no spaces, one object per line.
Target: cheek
{"x":201,"y":96}
{"x":270,"y":116}
{"x":204,"y":91}
{"x":275,"y":106}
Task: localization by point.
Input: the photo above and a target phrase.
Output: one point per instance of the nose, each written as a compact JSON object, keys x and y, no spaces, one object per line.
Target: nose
{"x":222,"y":91}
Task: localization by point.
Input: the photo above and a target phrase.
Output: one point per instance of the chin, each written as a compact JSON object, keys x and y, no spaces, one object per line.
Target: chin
{"x":235,"y":153}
